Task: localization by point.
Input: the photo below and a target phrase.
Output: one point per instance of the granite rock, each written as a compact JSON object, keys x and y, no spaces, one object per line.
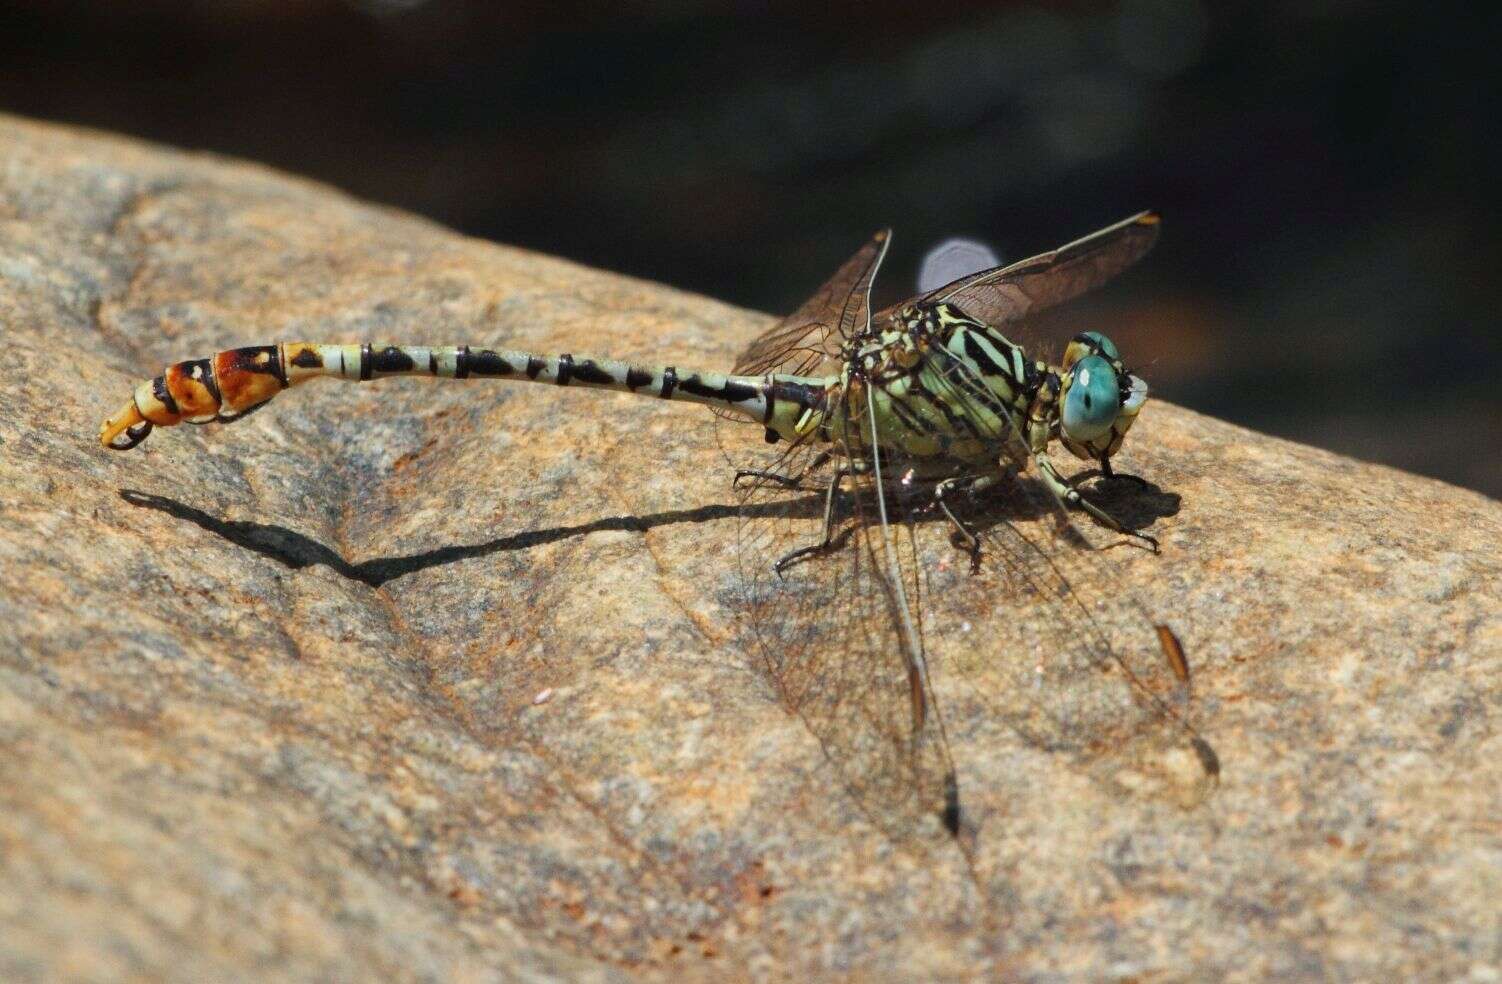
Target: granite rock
{"x":441,"y":681}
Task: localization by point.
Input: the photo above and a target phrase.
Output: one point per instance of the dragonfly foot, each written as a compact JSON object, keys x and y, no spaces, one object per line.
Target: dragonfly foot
{"x":1106,"y":474}
{"x":966,"y":542}
{"x":794,"y":482}
{"x":961,"y":537}
{"x":792,"y":557}
{"x":1112,"y":523}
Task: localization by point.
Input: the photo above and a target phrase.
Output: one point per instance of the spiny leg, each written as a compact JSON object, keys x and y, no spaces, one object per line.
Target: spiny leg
{"x":828,"y":538}
{"x":794,"y":482}
{"x":963,"y":538}
{"x":1071,"y":496}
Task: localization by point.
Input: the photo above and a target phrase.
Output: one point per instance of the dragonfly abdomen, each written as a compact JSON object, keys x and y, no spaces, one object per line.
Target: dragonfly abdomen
{"x":233,"y":382}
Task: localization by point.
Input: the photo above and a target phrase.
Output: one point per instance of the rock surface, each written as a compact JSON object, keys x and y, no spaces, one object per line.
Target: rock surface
{"x":439,"y":681}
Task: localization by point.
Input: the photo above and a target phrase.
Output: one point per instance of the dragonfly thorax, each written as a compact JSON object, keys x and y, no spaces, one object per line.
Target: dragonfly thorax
{"x":889,"y":349}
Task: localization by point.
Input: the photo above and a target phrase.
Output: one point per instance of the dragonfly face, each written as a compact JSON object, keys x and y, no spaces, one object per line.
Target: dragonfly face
{"x":1099,"y":399}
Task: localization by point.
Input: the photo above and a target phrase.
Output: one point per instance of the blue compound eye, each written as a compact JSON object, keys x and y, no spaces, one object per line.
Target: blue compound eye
{"x":1107,"y":347}
{"x":1093,"y":400}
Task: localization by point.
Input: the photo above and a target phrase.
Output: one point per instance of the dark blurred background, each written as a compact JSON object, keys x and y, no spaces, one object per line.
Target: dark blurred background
{"x":1327,"y":170}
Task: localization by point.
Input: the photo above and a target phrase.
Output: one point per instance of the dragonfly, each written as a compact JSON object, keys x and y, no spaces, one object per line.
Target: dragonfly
{"x":888,"y":519}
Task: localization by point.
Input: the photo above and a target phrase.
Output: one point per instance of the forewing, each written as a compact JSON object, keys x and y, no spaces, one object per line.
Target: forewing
{"x":1010,"y":293}
{"x":807,"y":342}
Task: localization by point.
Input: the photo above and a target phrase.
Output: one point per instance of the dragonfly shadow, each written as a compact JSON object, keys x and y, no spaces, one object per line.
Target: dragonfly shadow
{"x":297,"y":550}
{"x":1135,"y":502}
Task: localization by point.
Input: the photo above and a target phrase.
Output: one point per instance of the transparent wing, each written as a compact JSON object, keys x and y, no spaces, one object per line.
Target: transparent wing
{"x":807,"y":342}
{"x":828,"y":635}
{"x":1011,"y":293}
{"x":831,"y":592}
{"x":1046,"y":641}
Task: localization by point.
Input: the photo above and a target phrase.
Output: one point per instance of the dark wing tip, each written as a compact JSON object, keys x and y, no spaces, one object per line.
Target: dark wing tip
{"x":951,"y":816}
{"x":1209,"y":761}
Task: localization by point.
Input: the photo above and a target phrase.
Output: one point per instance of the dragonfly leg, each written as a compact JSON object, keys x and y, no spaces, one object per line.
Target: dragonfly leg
{"x":1071,"y":496}
{"x":824,"y":543}
{"x":1105,"y":471}
{"x":786,"y":481}
{"x":963,"y":538}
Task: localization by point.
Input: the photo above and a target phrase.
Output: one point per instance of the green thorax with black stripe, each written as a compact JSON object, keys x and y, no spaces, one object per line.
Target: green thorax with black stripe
{"x":945,"y":390}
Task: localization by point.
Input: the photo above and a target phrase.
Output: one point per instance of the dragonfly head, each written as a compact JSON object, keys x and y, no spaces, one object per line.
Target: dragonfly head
{"x":1099,"y":399}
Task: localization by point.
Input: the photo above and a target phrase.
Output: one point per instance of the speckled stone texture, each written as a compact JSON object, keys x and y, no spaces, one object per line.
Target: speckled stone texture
{"x":440,"y":681}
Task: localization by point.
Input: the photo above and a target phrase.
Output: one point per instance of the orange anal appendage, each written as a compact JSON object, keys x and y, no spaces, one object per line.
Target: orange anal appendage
{"x":127,"y":418}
